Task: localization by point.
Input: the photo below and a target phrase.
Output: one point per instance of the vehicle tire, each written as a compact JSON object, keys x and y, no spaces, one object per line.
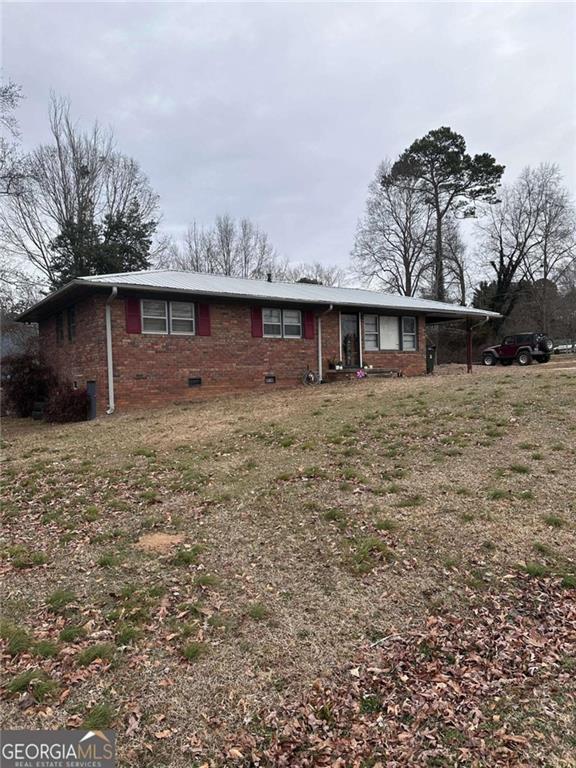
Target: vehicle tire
{"x":506,"y":361}
{"x":524,"y":357}
{"x":488,"y":358}
{"x":546,"y":345}
{"x":543,"y":358}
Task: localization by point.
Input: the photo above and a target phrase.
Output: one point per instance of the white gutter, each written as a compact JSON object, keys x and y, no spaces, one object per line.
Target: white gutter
{"x":320,"y":371}
{"x":109,"y":362}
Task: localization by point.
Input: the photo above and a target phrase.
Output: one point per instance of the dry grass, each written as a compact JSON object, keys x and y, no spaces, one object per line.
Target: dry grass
{"x":308,"y":524}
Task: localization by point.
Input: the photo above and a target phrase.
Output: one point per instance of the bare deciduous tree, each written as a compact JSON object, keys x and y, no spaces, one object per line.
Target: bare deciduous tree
{"x":455,"y":265}
{"x":77,"y":182}
{"x":240,"y":249}
{"x":531,"y":235}
{"x":322,"y":274}
{"x":393,"y":239}
{"x":237,"y":249}
{"x":555,"y":235}
{"x":10,"y":161}
{"x":18,"y":289}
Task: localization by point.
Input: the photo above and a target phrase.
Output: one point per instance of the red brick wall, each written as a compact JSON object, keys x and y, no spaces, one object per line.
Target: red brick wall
{"x":84,"y":358}
{"x":151,"y":369}
{"x":410,"y":363}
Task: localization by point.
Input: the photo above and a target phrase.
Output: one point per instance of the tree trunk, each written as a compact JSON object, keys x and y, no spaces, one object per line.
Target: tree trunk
{"x":439,"y":286}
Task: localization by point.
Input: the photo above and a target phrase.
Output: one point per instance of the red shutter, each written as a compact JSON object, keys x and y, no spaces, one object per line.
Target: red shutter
{"x":203,"y":319}
{"x":308,"y":325}
{"x":133,"y":317}
{"x":257,"y":321}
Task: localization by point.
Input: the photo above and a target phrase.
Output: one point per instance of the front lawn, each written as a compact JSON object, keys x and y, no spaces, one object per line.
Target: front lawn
{"x":204,"y":577}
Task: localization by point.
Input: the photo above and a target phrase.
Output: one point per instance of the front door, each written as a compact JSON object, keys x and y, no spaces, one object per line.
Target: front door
{"x":350,"y":341}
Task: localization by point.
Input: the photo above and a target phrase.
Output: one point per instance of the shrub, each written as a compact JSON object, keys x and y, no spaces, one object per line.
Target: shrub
{"x":26,"y":380}
{"x":67,"y":404}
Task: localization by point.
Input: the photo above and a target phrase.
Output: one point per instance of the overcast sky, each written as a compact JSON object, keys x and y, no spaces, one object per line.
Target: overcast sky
{"x":282,"y":112}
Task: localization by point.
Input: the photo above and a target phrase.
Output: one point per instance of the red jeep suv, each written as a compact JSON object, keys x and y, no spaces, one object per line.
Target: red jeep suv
{"x":523,"y":347}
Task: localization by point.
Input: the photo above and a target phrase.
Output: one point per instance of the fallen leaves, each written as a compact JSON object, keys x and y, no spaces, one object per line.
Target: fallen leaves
{"x":476,"y":691}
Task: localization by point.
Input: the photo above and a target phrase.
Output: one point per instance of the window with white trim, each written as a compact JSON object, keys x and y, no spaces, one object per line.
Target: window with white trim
{"x":409,"y":334}
{"x":281,"y":323}
{"x":154,"y":316}
{"x":182,"y":320}
{"x":371,"y":334}
{"x":292,"y":323}
{"x":389,"y":332}
{"x":272,"y":322}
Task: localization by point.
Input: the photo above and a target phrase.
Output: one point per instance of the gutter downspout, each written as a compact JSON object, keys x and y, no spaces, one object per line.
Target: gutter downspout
{"x":109,"y":362}
{"x":360,"y":355}
{"x":320,"y":316}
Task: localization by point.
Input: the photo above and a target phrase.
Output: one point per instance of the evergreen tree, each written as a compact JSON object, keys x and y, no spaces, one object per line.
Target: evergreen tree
{"x":450,"y":180}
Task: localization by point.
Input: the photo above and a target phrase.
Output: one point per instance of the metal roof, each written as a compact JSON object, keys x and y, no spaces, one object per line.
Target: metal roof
{"x":174,"y":281}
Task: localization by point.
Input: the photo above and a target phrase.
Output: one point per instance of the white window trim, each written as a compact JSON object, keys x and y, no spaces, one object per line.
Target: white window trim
{"x":281,"y":334}
{"x":193,"y":318}
{"x":400,"y":322}
{"x":372,"y":333}
{"x":415,"y":334}
{"x":279,"y":324}
{"x":284,"y":324}
{"x":151,"y":317}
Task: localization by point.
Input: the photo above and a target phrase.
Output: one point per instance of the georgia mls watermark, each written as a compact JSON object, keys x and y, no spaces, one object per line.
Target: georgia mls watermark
{"x":57,"y":749}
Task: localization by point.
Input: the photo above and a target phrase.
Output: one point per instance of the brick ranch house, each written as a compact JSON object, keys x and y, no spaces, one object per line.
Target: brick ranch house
{"x":152,"y":338}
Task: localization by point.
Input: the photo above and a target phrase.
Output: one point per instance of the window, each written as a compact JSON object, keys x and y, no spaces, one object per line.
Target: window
{"x":409,"y":334}
{"x":59,"y":328}
{"x":278,"y":323}
{"x":71,"y":318}
{"x":389,"y":332}
{"x":154,"y":316}
{"x":182,"y":317}
{"x":292,"y":323}
{"x":371,"y":336}
{"x":272,"y":322}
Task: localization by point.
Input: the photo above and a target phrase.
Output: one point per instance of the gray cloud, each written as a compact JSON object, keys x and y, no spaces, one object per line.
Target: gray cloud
{"x":282,"y":112}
